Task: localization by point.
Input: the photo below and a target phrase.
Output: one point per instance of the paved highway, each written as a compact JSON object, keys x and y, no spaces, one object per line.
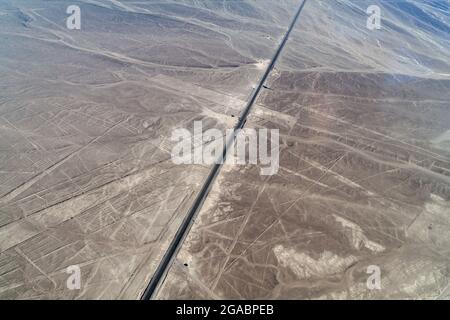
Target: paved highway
{"x":185,"y":226}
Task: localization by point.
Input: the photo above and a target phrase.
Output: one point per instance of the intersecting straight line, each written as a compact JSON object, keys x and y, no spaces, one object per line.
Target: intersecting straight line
{"x":171,"y":252}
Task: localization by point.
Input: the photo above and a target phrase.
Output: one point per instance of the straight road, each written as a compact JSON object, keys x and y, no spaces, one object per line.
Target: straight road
{"x":185,"y":226}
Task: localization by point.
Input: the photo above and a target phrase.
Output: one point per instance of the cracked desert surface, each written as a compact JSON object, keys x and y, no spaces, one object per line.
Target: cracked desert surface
{"x":87,"y":179}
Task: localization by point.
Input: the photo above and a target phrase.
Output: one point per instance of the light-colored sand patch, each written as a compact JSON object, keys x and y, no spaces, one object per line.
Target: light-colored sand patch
{"x":229,"y":121}
{"x":275,"y":116}
{"x":190,"y":89}
{"x":262,"y":64}
{"x":432,"y":224}
{"x":352,"y":184}
{"x":439,"y":209}
{"x":438,"y":206}
{"x":442,"y":141}
{"x":305,"y":266}
{"x":357,"y":237}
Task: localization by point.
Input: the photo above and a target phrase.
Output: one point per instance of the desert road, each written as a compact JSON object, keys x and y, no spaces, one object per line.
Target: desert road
{"x":184,"y":228}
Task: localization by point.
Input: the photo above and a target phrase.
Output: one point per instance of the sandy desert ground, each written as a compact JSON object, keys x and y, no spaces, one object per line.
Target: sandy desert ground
{"x":86,"y":117}
{"x":86,"y":176}
{"x":364,"y":173}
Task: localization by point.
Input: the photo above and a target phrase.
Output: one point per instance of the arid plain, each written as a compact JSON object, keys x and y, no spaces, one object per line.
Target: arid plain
{"x":364,"y":179}
{"x":86,"y":176}
{"x":86,"y":117}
